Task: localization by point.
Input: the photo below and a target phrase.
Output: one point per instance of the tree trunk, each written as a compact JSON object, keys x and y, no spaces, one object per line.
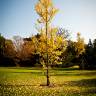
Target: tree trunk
{"x":47,"y":63}
{"x":47,"y":75}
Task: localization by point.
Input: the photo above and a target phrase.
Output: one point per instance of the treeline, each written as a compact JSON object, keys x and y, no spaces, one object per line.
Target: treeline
{"x":86,"y":60}
{"x":62,"y":52}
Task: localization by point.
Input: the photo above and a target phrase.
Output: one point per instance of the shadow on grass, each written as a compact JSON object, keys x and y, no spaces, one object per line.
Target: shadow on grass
{"x":75,"y":74}
{"x":57,"y":73}
{"x":65,"y":69}
{"x":84,"y":83}
{"x":87,"y":86}
{"x":38,"y":73}
{"x":80,"y":83}
{"x":21,"y":73}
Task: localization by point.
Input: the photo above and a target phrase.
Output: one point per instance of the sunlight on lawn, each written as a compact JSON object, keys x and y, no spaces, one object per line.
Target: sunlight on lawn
{"x":25,"y":82}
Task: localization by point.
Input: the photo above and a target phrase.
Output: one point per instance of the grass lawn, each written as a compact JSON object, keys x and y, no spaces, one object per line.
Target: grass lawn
{"x":64,"y":82}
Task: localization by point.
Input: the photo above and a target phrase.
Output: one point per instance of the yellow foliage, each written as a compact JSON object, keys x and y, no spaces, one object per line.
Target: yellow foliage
{"x":50,"y":44}
{"x":79,"y":46}
{"x":45,"y":10}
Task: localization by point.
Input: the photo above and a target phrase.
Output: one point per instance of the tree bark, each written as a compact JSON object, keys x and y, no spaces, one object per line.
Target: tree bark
{"x":47,"y":63}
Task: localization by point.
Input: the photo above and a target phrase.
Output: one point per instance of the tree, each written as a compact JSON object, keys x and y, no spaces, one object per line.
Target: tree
{"x":2,"y":49}
{"x":94,"y":47}
{"x":94,"y":53}
{"x":56,"y":45}
{"x":18,"y":45}
{"x":69,"y":55}
{"x":9,"y":53}
{"x":29,"y":57}
{"x":80,"y":49}
{"x":90,"y":54}
{"x":65,"y":33}
{"x":80,"y":46}
{"x":2,"y":45}
{"x":46,"y":11}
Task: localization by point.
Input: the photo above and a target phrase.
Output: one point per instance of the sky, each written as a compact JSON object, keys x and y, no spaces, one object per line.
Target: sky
{"x":18,"y":17}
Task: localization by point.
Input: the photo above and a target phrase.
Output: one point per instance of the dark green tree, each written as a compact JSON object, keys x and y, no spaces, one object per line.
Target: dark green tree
{"x":94,"y":52}
{"x":69,"y":55}
{"x":2,"y":45}
{"x":89,"y":55}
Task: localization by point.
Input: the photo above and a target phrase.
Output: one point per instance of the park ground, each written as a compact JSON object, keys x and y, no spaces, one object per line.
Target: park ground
{"x":31,"y":82}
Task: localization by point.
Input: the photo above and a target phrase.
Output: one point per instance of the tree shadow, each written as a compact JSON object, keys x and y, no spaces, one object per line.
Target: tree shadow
{"x":87,"y":86}
{"x":65,"y":69}
{"x":80,"y":83}
{"x":75,"y":74}
{"x":84,"y":83}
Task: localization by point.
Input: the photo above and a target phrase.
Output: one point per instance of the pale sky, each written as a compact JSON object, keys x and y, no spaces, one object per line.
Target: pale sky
{"x":18,"y":17}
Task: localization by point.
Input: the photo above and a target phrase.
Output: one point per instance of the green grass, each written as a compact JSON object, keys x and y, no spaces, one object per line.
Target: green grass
{"x":64,"y":82}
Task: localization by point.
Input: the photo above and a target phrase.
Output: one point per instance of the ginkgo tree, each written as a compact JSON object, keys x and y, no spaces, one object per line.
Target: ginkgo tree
{"x":56,"y":45}
{"x":80,"y":48}
{"x":80,"y":45}
{"x":46,"y":12}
